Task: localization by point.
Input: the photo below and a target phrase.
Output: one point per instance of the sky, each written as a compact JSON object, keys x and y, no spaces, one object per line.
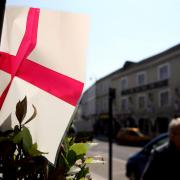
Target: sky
{"x":120,"y":30}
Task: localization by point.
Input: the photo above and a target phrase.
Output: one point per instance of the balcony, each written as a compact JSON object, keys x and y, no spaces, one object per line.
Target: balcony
{"x":147,"y":87}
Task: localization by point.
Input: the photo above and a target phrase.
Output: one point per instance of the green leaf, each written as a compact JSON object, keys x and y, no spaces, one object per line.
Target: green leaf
{"x":33,"y":115}
{"x":71,"y":157}
{"x":65,"y":161}
{"x":82,"y":178}
{"x":79,"y":148}
{"x":33,"y":151}
{"x":66,"y":144}
{"x":27,"y":139}
{"x":34,"y":146}
{"x":18,"y":138}
{"x":21,"y":110}
{"x":88,"y":160}
{"x":82,"y":174}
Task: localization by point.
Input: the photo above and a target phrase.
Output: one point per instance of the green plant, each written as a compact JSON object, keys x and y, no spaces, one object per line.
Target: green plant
{"x":20,"y":158}
{"x":73,"y":159}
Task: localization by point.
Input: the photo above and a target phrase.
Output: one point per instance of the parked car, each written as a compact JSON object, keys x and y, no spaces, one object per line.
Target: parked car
{"x":137,"y":162}
{"x":131,"y":136}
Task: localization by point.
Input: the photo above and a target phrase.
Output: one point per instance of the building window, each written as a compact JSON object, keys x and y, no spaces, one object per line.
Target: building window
{"x":141,"y":78}
{"x":142,"y":101}
{"x":124,"y":104}
{"x":124,"y":83}
{"x":164,"y":98}
{"x":164,"y":72}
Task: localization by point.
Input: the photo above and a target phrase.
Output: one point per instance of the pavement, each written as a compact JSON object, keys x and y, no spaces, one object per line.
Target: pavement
{"x":120,"y":156}
{"x":97,"y":177}
{"x":100,"y":171}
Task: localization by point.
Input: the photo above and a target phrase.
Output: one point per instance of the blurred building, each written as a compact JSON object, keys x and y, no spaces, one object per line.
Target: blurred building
{"x":85,"y":114}
{"x":88,"y":104}
{"x":102,"y":103}
{"x":147,"y":94}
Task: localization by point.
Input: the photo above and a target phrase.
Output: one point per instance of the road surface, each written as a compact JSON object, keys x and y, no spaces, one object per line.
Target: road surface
{"x":120,"y":156}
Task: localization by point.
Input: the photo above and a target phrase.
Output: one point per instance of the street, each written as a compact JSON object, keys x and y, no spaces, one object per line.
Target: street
{"x":120,"y":156}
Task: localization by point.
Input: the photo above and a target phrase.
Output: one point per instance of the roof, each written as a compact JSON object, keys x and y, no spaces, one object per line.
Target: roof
{"x":164,"y":53}
{"x":129,"y":64}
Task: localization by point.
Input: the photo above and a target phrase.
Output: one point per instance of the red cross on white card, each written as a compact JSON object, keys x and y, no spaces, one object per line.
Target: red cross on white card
{"x":43,"y":52}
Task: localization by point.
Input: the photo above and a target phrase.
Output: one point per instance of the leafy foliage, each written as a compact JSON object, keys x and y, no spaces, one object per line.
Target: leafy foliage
{"x":73,"y":159}
{"x":20,"y":158}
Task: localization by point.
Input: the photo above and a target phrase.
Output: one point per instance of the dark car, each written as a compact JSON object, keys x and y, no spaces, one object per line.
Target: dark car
{"x":137,"y":162}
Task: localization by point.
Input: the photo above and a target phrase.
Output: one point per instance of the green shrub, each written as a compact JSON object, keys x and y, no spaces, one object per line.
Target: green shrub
{"x":20,"y":158}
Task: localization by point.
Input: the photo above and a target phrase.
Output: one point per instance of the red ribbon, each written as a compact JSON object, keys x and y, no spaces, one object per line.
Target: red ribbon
{"x":59,"y":85}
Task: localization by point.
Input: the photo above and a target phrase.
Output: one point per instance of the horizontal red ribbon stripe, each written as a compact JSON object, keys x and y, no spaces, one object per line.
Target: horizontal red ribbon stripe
{"x":59,"y":85}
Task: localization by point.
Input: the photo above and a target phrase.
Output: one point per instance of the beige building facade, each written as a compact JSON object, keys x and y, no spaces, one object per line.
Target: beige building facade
{"x":88,"y":104}
{"x":102,"y":103}
{"x":148,"y":92}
